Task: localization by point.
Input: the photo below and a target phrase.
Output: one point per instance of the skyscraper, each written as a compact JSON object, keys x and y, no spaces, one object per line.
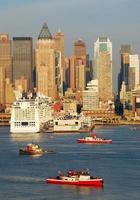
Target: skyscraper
{"x":103,"y":67}
{"x":91,"y":96}
{"x":23,"y":60}
{"x":78,"y":66}
{"x":134,"y":71}
{"x":125,"y":51}
{"x":59,"y":45}
{"x":5,"y":55}
{"x":48,"y":65}
{"x":80,"y":50}
{"x":2,"y":85}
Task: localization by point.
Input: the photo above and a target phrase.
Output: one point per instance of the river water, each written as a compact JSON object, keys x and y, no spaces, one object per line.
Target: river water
{"x":23,"y":177}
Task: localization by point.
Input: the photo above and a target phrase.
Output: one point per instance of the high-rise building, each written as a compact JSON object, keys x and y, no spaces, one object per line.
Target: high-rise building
{"x":125,"y":51}
{"x":123,"y":93}
{"x":103,"y":67}
{"x":91,"y":96}
{"x":48,"y":65}
{"x":134,"y":71}
{"x":72,"y":73}
{"x":80,"y":50}
{"x":2,"y":85}
{"x":67,"y":73}
{"x":23,"y":60}
{"x":9,"y":92}
{"x":78,"y":66}
{"x":59,"y":45}
{"x":80,"y":77}
{"x":5,"y":55}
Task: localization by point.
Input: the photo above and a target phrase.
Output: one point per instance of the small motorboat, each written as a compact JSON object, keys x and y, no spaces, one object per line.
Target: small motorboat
{"x":78,"y":178}
{"x":93,"y":139}
{"x":34,"y":149}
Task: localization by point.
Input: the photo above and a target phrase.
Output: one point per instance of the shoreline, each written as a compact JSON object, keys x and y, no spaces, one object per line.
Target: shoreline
{"x":121,"y":123}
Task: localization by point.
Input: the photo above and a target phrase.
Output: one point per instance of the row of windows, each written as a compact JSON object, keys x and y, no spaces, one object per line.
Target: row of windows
{"x":19,"y":124}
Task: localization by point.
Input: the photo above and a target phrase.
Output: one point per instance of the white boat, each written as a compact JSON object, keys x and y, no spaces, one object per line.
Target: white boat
{"x":29,"y":114}
{"x":72,"y":122}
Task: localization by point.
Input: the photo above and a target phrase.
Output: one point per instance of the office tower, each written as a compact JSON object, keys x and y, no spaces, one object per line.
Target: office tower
{"x":21,"y":83}
{"x":91,"y":96}
{"x":72,"y":73}
{"x":80,"y":50}
{"x":67,"y":73}
{"x":59,"y":45}
{"x":78,"y":66}
{"x":48,"y":65}
{"x":89,"y":74}
{"x":9,"y":92}
{"x":134,"y":71}
{"x":103,"y":67}
{"x":2,"y":85}
{"x":23,"y":60}
{"x":5,"y":55}
{"x":125,"y":51}
{"x":123,"y":93}
{"x":80,"y":77}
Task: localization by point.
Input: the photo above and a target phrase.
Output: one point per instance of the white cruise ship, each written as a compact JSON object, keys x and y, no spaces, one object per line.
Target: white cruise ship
{"x":29,"y":114}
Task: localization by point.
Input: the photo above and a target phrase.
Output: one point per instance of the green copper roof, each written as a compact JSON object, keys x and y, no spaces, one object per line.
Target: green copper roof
{"x":45,"y":33}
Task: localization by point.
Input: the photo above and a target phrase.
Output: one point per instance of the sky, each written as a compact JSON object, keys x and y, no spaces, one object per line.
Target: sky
{"x":77,"y":19}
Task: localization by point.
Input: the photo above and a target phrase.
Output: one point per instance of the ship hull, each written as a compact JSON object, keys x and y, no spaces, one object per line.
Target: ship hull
{"x":94,"y":141}
{"x":92,"y":182}
{"x":25,"y":152}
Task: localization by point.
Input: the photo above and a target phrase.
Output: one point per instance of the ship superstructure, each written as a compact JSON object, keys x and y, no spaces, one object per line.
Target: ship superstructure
{"x":29,"y":114}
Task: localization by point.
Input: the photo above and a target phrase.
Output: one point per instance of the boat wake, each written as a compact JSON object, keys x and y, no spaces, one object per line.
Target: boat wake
{"x":22,"y":179}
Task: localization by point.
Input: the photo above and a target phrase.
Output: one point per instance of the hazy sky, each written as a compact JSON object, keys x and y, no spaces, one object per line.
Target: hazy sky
{"x":84,"y":19}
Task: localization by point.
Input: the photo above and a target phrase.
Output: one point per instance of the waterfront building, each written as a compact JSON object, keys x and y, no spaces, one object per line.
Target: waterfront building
{"x":48,"y":65}
{"x":70,"y":105}
{"x":91,"y":96}
{"x":103,"y":67}
{"x":125,"y":52}
{"x":70,"y":94}
{"x":23,"y":60}
{"x":6,"y":55}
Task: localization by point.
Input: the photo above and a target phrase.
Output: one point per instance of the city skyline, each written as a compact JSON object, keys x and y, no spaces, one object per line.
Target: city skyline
{"x":77,"y":19}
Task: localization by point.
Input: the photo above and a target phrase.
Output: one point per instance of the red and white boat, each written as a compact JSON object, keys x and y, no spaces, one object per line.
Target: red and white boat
{"x":93,"y":139}
{"x":33,"y":149}
{"x":78,"y":178}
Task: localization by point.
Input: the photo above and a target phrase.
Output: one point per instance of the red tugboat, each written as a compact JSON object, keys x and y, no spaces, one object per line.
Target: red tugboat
{"x":79,"y":178}
{"x":31,"y":149}
{"x":93,"y":139}
{"x":34,"y":149}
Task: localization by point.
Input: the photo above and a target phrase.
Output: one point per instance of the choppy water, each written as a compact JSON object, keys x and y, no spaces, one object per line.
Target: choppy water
{"x":23,"y":177}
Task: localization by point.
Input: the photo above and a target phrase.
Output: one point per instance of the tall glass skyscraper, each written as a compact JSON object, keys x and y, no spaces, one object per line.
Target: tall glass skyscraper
{"x":103,"y":67}
{"x":125,"y":52}
{"x":23,"y":61}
